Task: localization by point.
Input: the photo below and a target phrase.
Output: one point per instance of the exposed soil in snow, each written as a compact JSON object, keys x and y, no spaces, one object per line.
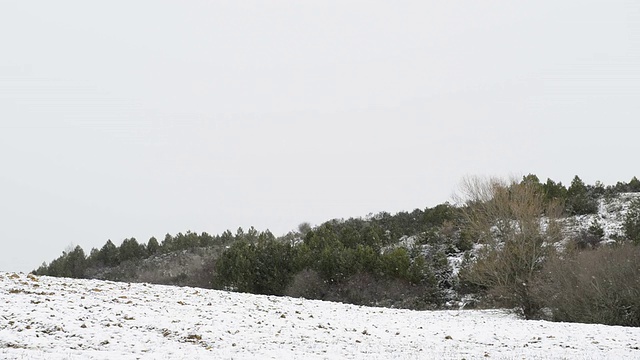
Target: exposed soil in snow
{"x":59,"y":318}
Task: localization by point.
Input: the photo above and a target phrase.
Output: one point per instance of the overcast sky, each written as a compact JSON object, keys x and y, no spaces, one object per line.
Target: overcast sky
{"x":139,"y":118}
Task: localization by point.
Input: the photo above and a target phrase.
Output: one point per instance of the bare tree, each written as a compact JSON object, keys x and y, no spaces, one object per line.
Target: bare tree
{"x":516,"y":228}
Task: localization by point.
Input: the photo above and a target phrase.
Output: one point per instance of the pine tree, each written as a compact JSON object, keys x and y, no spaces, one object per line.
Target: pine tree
{"x":152,"y":246}
{"x":108,"y":255}
{"x":580,"y":201}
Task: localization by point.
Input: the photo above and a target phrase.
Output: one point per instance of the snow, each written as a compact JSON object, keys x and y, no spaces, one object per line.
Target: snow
{"x":60,"y":318}
{"x":611,"y":214}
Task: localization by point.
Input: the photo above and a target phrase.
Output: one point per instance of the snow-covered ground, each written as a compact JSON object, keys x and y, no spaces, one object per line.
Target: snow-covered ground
{"x":610,"y":216}
{"x":58,"y":318}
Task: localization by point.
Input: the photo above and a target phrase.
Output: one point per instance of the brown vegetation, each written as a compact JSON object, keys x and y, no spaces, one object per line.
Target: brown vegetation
{"x":516,"y":228}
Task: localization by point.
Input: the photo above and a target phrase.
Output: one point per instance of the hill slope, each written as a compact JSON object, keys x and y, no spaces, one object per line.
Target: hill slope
{"x":61,"y":318}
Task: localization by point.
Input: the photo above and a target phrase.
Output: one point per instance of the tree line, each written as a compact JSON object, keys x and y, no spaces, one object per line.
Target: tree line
{"x":396,"y":260}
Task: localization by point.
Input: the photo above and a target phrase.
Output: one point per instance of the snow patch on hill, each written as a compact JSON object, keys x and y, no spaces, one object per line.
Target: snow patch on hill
{"x":611,"y":214}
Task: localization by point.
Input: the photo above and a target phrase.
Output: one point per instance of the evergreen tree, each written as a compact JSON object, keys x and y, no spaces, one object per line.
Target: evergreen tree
{"x":108,"y":254}
{"x":227,"y":237}
{"x":76,"y":263}
{"x":632,"y":222}
{"x":596,"y":229}
{"x":579,"y":200}
{"x":152,"y":246}
{"x":554,"y":191}
{"x":206,"y":240}
{"x":168,"y":244}
{"x":634,"y":185}
{"x":131,"y":250}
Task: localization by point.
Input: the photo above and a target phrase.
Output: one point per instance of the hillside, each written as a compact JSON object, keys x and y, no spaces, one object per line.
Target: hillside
{"x":62,"y":318}
{"x":504,"y":248}
{"x":186,"y":267}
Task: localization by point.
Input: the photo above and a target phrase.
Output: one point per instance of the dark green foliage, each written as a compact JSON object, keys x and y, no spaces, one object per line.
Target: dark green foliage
{"x":92,"y":259}
{"x":396,"y":279}
{"x":260,"y":268}
{"x":266,"y":236}
{"x":335,"y":263}
{"x":533,"y":181}
{"x":109,"y":254}
{"x":153,"y":247}
{"x":634,"y":185}
{"x":440,"y":215}
{"x":131,"y":250}
{"x":396,"y":263}
{"x":591,"y":238}
{"x":384,"y":259}
{"x":186,"y":241}
{"x":585,"y":240}
{"x":596,"y":229}
{"x":632,"y":222}
{"x":69,"y":264}
{"x":580,"y":200}
{"x":621,"y":187}
{"x":338,"y":250}
{"x":401,"y":224}
{"x":464,"y":241}
{"x":206,"y":240}
{"x":226,"y":238}
{"x":598,"y":190}
{"x":554,"y":191}
{"x":331,"y":259}
{"x":76,"y":262}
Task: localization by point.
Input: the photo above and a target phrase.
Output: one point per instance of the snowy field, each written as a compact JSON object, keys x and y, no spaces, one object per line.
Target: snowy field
{"x":58,"y":318}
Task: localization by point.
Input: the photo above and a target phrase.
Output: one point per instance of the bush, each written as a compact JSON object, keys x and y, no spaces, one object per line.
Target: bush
{"x":634,"y":185}
{"x":263,"y":268}
{"x":580,"y":199}
{"x":632,"y":222}
{"x":586,"y":240}
{"x":600,"y":286}
{"x":505,"y":218}
{"x":307,"y":284}
{"x":72,"y":263}
{"x":369,"y":290}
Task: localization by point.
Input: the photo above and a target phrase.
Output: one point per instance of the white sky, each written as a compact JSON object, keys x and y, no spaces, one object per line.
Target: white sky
{"x":121,"y":119}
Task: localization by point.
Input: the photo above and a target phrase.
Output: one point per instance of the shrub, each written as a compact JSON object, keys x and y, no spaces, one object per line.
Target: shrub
{"x":72,"y":263}
{"x":263,"y":268}
{"x":601,"y":286}
{"x":580,"y":200}
{"x":632,"y":222}
{"x":505,"y":218}
{"x":554,"y":191}
{"x":634,"y":185}
{"x":586,"y":240}
{"x":307,"y":284}
{"x":596,"y":229}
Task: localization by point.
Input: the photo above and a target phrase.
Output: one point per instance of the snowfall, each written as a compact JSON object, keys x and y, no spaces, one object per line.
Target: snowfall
{"x":60,"y":318}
